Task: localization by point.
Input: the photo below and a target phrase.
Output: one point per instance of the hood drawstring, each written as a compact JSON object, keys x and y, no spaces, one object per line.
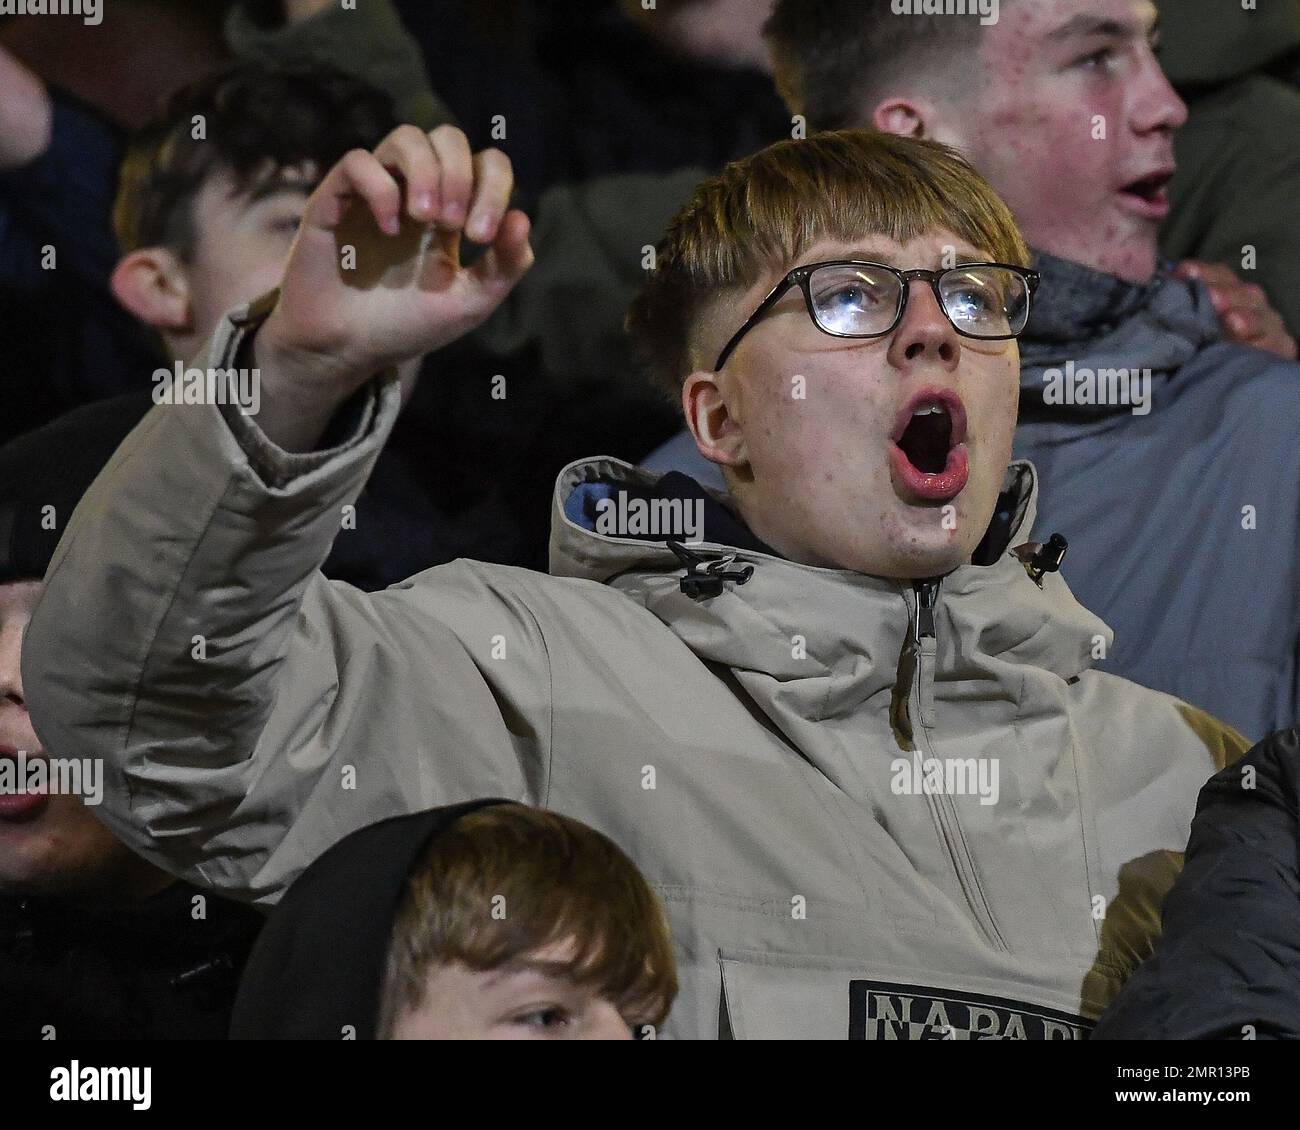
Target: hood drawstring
{"x":706,"y":576}
{"x":1042,"y":558}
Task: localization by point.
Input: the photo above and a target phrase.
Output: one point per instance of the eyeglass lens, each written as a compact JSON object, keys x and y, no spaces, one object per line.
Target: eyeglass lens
{"x":859,"y":301}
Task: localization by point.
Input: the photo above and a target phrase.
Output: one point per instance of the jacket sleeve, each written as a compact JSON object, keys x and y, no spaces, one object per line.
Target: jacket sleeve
{"x":1226,"y":966}
{"x":248,"y":712}
{"x":368,"y":40}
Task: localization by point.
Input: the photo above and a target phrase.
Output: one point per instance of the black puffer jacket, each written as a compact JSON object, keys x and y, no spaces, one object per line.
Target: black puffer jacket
{"x":1229,"y":963}
{"x":156,"y":969}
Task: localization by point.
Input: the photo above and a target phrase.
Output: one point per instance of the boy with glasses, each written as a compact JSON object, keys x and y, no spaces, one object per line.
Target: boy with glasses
{"x":850,"y":735}
{"x":1166,"y":451}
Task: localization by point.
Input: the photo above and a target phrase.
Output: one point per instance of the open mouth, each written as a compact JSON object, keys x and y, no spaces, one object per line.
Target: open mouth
{"x":928,"y":455}
{"x":928,"y":438}
{"x":17,"y":807}
{"x":1150,"y":194}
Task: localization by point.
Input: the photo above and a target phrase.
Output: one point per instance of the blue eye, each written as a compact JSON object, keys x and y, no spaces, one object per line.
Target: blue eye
{"x":850,"y":295}
{"x":972,"y":301}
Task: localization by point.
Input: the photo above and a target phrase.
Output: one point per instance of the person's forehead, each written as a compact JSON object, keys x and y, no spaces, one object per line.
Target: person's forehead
{"x":1065,"y":22}
{"x":224,"y":193}
{"x":554,"y":959}
{"x":933,"y":250}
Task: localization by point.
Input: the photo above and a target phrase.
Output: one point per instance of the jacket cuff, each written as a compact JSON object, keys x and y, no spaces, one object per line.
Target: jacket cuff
{"x":371,"y":409}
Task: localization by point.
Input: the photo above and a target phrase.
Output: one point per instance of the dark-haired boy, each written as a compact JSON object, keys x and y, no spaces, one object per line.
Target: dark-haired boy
{"x":65,"y":340}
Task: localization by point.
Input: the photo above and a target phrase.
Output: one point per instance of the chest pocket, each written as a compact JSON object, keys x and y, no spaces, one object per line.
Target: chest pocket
{"x":766,"y":996}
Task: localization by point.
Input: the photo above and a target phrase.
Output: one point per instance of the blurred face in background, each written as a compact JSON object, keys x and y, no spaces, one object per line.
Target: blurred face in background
{"x":725,"y":33}
{"x":1071,"y":121}
{"x":51,"y":845}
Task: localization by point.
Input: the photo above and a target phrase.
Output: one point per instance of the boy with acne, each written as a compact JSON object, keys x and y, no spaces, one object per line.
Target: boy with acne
{"x":730,"y":711}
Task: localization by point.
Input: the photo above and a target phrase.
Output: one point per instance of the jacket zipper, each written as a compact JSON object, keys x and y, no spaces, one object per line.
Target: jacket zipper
{"x":942,"y":808}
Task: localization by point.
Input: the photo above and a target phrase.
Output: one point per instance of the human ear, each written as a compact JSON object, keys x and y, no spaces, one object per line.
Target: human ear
{"x":904,"y":117}
{"x":152,"y":284}
{"x":716,"y":428}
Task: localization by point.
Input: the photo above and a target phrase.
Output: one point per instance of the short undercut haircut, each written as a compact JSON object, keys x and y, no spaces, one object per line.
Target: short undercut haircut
{"x":834,"y":59}
{"x":764,"y":212}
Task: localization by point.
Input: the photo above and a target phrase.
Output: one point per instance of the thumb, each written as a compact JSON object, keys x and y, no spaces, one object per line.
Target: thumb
{"x":506,"y":260}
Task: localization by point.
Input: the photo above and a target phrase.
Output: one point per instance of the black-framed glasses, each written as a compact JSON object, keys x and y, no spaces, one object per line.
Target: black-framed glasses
{"x":848,"y":298}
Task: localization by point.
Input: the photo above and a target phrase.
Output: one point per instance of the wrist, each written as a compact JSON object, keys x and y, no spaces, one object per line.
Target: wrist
{"x":296,"y":403}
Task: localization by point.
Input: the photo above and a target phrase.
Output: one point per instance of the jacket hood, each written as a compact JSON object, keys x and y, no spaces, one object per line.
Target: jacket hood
{"x":1092,"y":320}
{"x":855,"y":625}
{"x":317,"y":969}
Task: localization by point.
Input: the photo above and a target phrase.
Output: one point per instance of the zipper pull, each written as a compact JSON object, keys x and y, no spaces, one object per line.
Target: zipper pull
{"x":927,"y":596}
{"x":924,"y":644}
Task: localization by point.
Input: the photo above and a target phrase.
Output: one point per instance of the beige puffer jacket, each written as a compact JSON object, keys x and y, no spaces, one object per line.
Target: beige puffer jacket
{"x":761,"y":753}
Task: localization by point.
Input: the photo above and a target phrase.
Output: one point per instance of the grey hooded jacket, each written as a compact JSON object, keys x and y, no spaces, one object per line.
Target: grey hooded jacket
{"x":797,"y":762}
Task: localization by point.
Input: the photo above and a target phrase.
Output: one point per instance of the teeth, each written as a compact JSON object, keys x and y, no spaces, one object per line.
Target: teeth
{"x":931,"y":410}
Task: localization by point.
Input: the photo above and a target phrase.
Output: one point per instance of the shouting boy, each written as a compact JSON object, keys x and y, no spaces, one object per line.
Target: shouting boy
{"x":786,"y":724}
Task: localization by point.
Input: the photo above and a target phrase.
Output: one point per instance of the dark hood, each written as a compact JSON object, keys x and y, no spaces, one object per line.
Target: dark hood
{"x":318,"y":965}
{"x":54,"y":466}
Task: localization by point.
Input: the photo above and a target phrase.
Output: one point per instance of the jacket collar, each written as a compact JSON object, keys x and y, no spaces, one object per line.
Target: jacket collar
{"x":848,"y":622}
